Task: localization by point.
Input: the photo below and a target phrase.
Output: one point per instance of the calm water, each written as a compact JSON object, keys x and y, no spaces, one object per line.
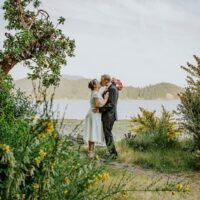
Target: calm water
{"x":77,"y":109}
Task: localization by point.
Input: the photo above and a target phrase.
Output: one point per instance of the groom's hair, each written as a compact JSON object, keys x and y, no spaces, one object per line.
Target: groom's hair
{"x":106,"y":77}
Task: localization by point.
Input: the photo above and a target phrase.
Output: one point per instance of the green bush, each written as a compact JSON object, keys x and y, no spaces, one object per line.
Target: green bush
{"x":15,"y":114}
{"x":36,"y":162}
{"x":142,"y":142}
{"x":151,"y":131}
{"x":189,"y":108}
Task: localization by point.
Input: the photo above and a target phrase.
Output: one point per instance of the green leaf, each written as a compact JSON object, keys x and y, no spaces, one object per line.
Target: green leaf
{"x":61,"y":20}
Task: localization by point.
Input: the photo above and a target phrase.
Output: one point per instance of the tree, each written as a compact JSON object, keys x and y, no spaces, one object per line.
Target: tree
{"x":36,"y":43}
{"x":189,"y":108}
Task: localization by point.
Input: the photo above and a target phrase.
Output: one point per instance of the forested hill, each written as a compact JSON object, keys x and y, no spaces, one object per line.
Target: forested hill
{"x":157,"y":91}
{"x":74,"y":87}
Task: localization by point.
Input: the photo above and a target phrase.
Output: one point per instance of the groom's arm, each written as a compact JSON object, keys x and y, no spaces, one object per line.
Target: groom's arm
{"x":111,"y":101}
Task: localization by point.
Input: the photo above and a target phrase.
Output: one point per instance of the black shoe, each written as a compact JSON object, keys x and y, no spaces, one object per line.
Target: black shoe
{"x":114,"y":156}
{"x":109,"y":157}
{"x":106,"y":156}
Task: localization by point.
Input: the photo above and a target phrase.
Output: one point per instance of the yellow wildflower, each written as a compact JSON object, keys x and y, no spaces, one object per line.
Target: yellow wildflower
{"x":38,"y":160}
{"x":66,"y":180}
{"x":90,"y":186}
{"x":187,"y":188}
{"x":55,"y":135}
{"x":198,"y":153}
{"x":173,"y":193}
{"x":103,"y":177}
{"x":23,"y":196}
{"x":33,"y":128}
{"x":124,"y":194}
{"x":65,"y":191}
{"x":48,"y":129}
{"x":179,"y":187}
{"x":17,"y":196}
{"x":97,"y":157}
{"x":33,"y":117}
{"x":49,"y":126}
{"x":53,"y":163}
{"x":42,"y":153}
{"x":46,"y":181}
{"x":35,"y":186}
{"x":135,"y":130}
{"x":5,"y":148}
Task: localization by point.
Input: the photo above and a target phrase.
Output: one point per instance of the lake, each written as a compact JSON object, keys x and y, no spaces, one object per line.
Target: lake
{"x":77,"y":109}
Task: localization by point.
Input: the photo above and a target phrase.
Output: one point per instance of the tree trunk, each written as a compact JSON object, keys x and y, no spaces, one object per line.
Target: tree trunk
{"x":8,"y":63}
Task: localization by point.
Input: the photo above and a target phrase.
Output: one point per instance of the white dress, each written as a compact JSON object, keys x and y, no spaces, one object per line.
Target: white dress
{"x":93,"y":124}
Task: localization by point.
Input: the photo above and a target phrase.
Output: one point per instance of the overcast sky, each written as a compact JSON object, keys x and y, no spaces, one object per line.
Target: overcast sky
{"x":141,"y":42}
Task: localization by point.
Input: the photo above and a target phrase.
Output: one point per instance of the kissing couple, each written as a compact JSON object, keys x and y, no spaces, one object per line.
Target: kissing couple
{"x":102,"y":114}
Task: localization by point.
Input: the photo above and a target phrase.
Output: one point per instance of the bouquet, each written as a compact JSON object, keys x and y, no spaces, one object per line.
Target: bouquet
{"x":118,"y":84}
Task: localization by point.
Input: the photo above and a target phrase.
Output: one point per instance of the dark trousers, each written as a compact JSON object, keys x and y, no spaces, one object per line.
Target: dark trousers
{"x":107,"y":128}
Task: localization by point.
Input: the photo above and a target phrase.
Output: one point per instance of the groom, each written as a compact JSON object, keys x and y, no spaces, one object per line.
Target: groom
{"x":109,"y":113}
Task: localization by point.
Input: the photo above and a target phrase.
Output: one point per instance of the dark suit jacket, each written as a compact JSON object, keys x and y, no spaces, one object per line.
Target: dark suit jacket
{"x":109,"y":110}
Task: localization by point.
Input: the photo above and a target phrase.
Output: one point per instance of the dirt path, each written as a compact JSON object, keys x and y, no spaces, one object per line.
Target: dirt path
{"x":145,"y":176}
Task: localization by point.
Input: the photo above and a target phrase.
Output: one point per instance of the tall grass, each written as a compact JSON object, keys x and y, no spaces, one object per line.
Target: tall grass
{"x":171,"y":160}
{"x":159,"y":144}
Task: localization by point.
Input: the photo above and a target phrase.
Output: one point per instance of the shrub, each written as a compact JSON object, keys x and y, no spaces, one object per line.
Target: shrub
{"x":145,"y":123}
{"x":167,"y":130}
{"x":36,"y":162}
{"x":197,"y":155}
{"x":152,"y":131}
{"x":16,"y":112}
{"x":189,"y":108}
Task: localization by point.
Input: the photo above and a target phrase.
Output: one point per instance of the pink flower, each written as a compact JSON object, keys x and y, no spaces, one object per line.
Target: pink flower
{"x":118,"y":84}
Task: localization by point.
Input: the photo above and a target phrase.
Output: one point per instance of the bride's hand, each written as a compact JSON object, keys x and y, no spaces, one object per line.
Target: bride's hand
{"x":95,"y":110}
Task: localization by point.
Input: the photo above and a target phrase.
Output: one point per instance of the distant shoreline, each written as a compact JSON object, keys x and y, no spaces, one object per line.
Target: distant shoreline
{"x":72,"y":88}
{"x":121,"y":99}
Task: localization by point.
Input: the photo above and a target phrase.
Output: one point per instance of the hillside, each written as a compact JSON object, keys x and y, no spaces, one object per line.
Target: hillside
{"x":73,"y":87}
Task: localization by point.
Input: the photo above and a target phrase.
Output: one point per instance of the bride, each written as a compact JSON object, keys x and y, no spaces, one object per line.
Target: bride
{"x":93,"y":124}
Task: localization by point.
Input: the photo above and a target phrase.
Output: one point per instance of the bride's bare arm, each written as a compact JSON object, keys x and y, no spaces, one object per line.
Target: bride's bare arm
{"x":101,"y":102}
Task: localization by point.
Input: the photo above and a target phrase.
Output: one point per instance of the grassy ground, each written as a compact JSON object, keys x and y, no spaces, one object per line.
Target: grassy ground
{"x":138,"y":178}
{"x":173,"y":164}
{"x":166,"y":160}
{"x":162,"y":160}
{"x":144,"y":167}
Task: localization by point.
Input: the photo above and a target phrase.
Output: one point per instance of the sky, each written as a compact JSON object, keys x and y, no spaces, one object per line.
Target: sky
{"x":141,"y":42}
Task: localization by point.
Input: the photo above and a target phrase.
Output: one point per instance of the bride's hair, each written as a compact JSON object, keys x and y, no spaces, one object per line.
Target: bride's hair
{"x":92,"y":84}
